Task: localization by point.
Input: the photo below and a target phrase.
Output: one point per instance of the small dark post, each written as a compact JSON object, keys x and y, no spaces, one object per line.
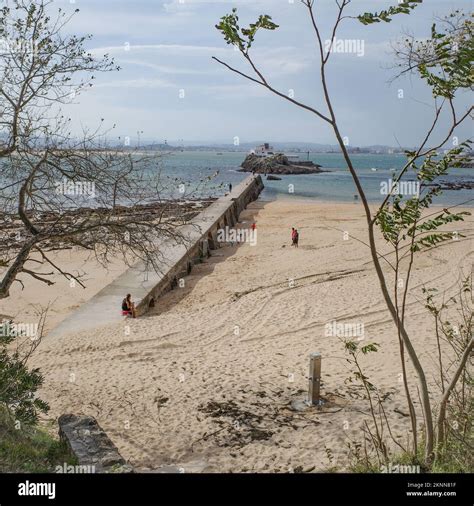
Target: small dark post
{"x":314,"y":378}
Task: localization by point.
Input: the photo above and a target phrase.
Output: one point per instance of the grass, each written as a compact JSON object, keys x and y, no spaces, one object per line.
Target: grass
{"x":456,"y":458}
{"x":29,"y":450}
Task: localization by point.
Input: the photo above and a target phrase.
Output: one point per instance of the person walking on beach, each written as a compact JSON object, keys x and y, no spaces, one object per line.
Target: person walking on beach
{"x":293,"y":231}
{"x":297,"y":237}
{"x":230,"y":187}
{"x":128,"y":307}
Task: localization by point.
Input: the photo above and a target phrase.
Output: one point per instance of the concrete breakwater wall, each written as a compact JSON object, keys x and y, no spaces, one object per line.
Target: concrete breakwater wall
{"x":203,"y":238}
{"x":200,"y":238}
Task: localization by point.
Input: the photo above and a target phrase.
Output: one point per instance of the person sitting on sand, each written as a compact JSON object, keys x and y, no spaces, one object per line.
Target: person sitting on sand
{"x":128,"y":307}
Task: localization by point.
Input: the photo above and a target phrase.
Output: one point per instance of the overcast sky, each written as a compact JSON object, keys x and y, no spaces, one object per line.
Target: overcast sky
{"x":170,"y":88}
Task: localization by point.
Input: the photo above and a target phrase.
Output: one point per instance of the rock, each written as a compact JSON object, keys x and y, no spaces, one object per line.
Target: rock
{"x":452,"y":185}
{"x":277,"y":164}
{"x":466,"y":163}
{"x":90,"y":444}
{"x":299,"y":405}
{"x":273,"y":178}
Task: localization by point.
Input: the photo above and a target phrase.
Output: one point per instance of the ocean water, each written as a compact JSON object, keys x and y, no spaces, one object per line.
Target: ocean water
{"x":334,"y":185}
{"x":196,"y":167}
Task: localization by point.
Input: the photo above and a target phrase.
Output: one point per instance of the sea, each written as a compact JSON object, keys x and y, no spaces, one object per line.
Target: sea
{"x":336,"y":185}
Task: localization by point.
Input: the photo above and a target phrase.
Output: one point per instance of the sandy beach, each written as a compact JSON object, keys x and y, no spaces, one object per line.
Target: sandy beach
{"x":205,"y":381}
{"x":28,"y":300}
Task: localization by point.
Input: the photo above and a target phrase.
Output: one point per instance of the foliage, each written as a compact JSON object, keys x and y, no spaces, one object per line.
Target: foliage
{"x":29,"y":450}
{"x":229,"y":27}
{"x":445,"y":60}
{"x":454,"y":321}
{"x":401,"y":218}
{"x":354,"y":349}
{"x":386,"y":15}
{"x":18,"y":384}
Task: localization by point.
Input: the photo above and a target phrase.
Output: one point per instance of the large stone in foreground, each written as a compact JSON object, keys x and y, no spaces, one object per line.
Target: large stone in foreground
{"x":90,"y":444}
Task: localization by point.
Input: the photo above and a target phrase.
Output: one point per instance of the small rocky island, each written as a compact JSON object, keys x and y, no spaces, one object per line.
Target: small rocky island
{"x":278,"y":164}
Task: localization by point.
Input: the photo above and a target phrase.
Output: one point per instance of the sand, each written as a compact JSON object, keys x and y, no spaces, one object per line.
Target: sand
{"x":205,"y":381}
{"x":30,"y":298}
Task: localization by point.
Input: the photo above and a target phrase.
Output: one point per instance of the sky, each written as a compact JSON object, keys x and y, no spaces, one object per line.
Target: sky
{"x":170,"y":88}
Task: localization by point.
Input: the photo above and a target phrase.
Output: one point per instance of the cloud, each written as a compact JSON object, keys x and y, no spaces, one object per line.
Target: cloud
{"x":172,"y":48}
{"x":164,"y":69}
{"x":136,"y":83}
{"x":284,"y":60}
{"x":182,"y":63}
{"x":179,"y":6}
{"x":236,"y":91}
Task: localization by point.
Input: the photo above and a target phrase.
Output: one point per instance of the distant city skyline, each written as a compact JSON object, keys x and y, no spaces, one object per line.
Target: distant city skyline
{"x":170,"y":88}
{"x":242,"y":146}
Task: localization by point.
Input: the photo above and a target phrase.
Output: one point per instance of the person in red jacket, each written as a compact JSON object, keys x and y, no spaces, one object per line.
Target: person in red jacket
{"x":128,"y":307}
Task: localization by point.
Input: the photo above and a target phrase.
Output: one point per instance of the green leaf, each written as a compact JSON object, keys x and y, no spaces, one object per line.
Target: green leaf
{"x":243,"y":38}
{"x":370,"y":348}
{"x":351,"y":346}
{"x":369,"y":18}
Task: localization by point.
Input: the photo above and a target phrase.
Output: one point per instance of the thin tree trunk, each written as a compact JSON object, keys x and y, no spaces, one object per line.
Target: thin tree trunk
{"x":402,"y":348}
{"x":440,"y":360}
{"x":411,"y":408}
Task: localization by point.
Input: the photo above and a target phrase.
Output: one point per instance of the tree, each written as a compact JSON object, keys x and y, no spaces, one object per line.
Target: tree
{"x":57,"y":190}
{"x":446,"y":69}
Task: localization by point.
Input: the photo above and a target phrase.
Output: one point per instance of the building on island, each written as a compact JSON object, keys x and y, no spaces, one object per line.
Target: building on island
{"x":263,"y":150}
